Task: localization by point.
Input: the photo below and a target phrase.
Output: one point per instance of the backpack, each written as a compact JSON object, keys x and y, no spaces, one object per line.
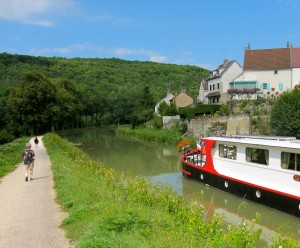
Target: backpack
{"x":28,"y":156}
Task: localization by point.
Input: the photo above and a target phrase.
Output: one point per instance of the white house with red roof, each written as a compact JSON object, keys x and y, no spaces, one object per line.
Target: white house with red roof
{"x":267,"y":72}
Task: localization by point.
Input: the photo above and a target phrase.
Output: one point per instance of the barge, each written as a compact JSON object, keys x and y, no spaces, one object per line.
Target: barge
{"x":264,"y":169}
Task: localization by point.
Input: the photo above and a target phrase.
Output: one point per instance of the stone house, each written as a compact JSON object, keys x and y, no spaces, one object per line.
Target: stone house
{"x":181,"y":100}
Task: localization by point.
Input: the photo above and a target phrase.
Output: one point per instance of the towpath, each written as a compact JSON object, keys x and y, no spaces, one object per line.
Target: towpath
{"x":29,"y":215}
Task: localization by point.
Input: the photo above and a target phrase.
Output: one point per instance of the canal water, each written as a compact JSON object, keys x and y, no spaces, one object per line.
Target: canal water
{"x":161,"y":163}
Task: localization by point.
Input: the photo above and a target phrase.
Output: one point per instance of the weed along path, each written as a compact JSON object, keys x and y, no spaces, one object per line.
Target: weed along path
{"x":29,"y":215}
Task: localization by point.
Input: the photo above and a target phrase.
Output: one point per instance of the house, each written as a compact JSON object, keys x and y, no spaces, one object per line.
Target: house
{"x":218,"y":83}
{"x":267,"y":72}
{"x":168,"y":99}
{"x":182,"y":100}
{"x":203,"y":91}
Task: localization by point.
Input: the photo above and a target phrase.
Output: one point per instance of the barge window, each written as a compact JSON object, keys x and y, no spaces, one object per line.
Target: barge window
{"x":227,"y":151}
{"x":290,"y":161}
{"x":256,"y":155}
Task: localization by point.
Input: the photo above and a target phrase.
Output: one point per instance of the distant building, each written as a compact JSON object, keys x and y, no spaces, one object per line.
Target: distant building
{"x":182,"y":100}
{"x":217,"y":83}
{"x":168,"y":99}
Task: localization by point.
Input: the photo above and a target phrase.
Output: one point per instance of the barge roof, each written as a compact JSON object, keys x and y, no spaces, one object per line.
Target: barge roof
{"x":271,"y":141}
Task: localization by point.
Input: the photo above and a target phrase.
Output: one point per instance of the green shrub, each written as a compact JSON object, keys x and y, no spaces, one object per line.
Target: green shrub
{"x":10,"y":155}
{"x":157,"y":122}
{"x":6,"y":137}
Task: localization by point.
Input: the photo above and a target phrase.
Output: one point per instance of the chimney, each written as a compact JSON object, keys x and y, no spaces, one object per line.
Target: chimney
{"x":289,"y":45}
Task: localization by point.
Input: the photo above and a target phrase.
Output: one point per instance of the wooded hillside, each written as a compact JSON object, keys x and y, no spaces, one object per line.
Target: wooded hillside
{"x":42,"y":93}
{"x":107,"y":75}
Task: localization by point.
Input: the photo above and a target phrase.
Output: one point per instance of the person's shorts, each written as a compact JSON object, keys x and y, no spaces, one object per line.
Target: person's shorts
{"x":29,"y":166}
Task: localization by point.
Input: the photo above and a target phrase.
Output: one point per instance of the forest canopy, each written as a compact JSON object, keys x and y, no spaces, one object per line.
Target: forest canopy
{"x":107,"y":75}
{"x":38,"y":94}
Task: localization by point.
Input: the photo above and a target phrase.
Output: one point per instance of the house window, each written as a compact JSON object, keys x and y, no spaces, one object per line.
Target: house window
{"x":280,"y":86}
{"x":290,"y":161}
{"x":218,"y":86}
{"x":227,"y":151}
{"x":265,"y":86}
{"x":210,"y":87}
{"x":213,"y":87}
{"x":257,"y":155}
{"x":275,"y":72}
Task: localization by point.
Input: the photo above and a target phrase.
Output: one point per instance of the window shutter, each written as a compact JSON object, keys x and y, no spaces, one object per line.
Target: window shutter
{"x":268,"y":87}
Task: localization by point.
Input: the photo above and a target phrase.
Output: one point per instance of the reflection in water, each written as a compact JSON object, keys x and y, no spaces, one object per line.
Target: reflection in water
{"x":123,"y":155}
{"x":161,"y":163}
{"x":235,"y":209}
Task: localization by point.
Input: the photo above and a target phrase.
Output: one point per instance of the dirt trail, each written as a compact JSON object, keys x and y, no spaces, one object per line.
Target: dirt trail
{"x":29,"y":215}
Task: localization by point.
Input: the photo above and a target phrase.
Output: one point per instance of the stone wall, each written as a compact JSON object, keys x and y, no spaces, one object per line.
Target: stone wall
{"x":222,"y":125}
{"x":170,"y":121}
{"x":238,"y":124}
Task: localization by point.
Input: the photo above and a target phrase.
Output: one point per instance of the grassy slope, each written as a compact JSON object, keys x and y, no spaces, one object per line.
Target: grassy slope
{"x":10,"y":155}
{"x":108,"y":209}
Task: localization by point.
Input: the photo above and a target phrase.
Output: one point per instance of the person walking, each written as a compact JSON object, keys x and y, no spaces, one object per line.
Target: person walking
{"x":28,"y":158}
{"x":36,"y":142}
{"x":202,"y":149}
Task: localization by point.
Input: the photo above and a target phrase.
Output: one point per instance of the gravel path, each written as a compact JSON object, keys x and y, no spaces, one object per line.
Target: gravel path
{"x":29,"y":215}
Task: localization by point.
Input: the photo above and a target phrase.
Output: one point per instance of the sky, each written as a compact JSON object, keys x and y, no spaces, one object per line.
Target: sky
{"x":190,"y":32}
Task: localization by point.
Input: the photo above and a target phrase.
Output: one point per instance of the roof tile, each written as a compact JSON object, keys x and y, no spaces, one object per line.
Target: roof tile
{"x":266,"y":59}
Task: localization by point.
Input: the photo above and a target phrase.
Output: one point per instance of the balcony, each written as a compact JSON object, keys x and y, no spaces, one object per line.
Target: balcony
{"x":236,"y":91}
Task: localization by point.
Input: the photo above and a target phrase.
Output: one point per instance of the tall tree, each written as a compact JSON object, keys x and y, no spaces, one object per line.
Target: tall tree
{"x":285,"y":114}
{"x":33,"y":103}
{"x":145,"y":108}
{"x":68,"y":105}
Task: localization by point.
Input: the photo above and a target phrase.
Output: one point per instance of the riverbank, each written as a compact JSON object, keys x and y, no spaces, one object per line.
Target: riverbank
{"x":154,"y":135}
{"x":109,"y":209}
{"x":150,"y":134}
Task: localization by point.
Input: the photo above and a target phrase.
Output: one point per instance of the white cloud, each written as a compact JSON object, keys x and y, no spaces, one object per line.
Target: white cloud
{"x":150,"y":55}
{"x":289,"y":3}
{"x":158,"y":58}
{"x":85,"y":48}
{"x":207,"y":66}
{"x":33,"y":11}
{"x":63,"y":51}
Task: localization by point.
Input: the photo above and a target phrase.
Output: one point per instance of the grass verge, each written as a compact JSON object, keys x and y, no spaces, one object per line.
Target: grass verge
{"x":153,"y":135}
{"x":110,"y":209}
{"x":10,"y":155}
